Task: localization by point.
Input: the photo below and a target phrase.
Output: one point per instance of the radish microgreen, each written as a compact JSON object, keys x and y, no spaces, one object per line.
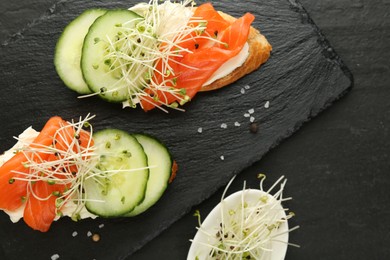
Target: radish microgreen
{"x":246,"y":229}
{"x":73,"y":165}
{"x":143,"y":51}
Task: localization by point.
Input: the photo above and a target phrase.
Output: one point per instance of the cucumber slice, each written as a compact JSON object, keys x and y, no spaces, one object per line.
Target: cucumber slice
{"x":67,"y":54}
{"x":103,"y":69}
{"x":160,"y":163}
{"x":116,"y":194}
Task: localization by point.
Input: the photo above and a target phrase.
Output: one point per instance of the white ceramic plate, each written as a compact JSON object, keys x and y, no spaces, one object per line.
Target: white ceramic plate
{"x":212,"y":223}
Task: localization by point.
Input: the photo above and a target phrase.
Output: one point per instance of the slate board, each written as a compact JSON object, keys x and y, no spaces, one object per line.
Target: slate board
{"x":303,"y":76}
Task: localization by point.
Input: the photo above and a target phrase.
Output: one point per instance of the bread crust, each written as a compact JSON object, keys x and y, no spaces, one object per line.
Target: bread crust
{"x":259,"y":52}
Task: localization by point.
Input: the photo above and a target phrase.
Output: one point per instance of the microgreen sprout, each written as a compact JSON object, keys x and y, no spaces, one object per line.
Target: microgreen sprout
{"x":249,"y":227}
{"x":144,"y":50}
{"x":73,"y":164}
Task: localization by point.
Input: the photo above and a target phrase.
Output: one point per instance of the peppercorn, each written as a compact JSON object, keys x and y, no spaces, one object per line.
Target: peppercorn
{"x":253,"y":127}
{"x":95,"y":237}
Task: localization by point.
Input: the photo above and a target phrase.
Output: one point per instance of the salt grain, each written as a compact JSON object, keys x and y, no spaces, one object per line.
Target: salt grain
{"x":251,"y":111}
{"x":242,"y":91}
{"x":247,"y":115}
{"x":55,"y":257}
{"x":223,"y":125}
{"x":101,"y":226}
{"x":266,"y":105}
{"x":222,"y":157}
{"x":237,"y":124}
{"x":89,"y":234}
{"x":200,"y":130}
{"x":74,"y":233}
{"x":252,"y":119}
{"x":247,"y":87}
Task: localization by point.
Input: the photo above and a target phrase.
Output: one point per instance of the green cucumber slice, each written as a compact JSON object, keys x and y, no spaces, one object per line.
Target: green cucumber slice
{"x":116,"y":194}
{"x":108,"y":39}
{"x":160,"y":163}
{"x":67,"y":54}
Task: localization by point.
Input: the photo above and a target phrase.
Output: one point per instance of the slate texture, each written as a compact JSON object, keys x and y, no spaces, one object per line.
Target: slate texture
{"x":303,"y":76}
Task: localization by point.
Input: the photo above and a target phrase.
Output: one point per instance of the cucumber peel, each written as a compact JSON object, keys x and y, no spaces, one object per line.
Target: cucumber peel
{"x":160,"y":163}
{"x":123,"y":186}
{"x":68,"y":49}
{"x":134,"y":171}
{"x":108,"y":61}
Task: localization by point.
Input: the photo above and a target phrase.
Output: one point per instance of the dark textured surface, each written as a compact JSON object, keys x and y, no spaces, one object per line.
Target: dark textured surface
{"x":336,"y":165}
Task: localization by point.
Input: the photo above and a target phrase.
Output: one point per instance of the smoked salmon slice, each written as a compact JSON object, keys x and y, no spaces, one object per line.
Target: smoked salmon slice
{"x":13,"y":192}
{"x":204,"y":57}
{"x":40,"y":210}
{"x":37,"y":194}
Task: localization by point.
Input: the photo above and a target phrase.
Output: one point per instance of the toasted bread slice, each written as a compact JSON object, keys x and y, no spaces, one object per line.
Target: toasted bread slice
{"x":259,"y":52}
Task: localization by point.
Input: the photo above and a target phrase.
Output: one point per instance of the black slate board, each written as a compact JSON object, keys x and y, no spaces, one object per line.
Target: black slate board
{"x":303,"y":76}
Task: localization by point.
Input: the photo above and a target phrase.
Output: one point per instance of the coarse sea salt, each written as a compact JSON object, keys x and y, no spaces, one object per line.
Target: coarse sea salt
{"x":223,"y":125}
{"x":74,"y":233}
{"x":251,"y":111}
{"x":55,"y":257}
{"x":266,"y":105}
{"x":200,"y":130}
{"x":222,"y":157}
{"x":242,"y":91}
{"x":237,"y":124}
